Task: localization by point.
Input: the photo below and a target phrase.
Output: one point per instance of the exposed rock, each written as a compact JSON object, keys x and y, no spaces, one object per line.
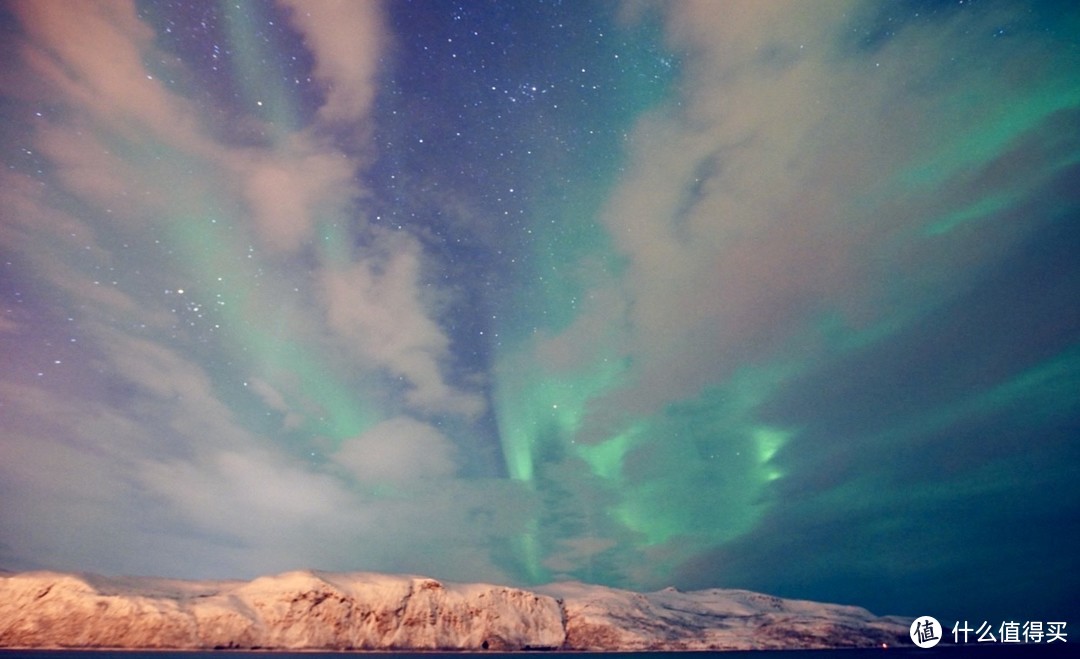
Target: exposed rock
{"x":365,"y":611}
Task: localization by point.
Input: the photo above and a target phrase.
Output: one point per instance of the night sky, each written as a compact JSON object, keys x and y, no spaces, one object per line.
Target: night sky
{"x":768,"y":295}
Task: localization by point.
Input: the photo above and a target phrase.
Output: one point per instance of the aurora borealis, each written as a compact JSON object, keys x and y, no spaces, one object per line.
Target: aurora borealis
{"x":768,"y":295}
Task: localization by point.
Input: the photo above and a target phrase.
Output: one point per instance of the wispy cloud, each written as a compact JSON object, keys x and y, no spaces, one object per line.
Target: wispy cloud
{"x":166,"y":239}
{"x":806,"y":193}
{"x":347,"y":40}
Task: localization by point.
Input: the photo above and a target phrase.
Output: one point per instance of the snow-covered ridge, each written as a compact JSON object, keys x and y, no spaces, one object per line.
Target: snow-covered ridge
{"x":368,"y":611}
{"x":600,"y":618}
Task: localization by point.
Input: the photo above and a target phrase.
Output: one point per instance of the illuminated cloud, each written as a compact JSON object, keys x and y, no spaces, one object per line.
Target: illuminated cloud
{"x":347,"y":40}
{"x":291,"y":187}
{"x":396,"y":450}
{"x":376,"y":308}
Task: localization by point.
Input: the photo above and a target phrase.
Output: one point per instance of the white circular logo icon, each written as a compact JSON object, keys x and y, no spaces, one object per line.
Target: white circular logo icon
{"x":925,"y":632}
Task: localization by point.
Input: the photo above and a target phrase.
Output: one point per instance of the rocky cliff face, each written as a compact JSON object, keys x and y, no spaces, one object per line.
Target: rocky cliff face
{"x":364,"y":611}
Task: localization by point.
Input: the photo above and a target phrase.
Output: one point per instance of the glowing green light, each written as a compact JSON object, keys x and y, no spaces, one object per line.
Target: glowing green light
{"x":250,"y":310}
{"x":768,"y":441}
{"x":540,"y":410}
{"x":606,"y":458}
{"x":265,"y":94}
{"x":979,"y":144}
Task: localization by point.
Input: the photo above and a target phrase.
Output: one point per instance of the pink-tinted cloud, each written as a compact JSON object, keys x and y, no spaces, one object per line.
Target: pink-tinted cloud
{"x":290,"y":187}
{"x":136,"y":199}
{"x":398,"y":450}
{"x":778,"y":187}
{"x":347,"y":40}
{"x":377,"y":309}
{"x":91,"y":54}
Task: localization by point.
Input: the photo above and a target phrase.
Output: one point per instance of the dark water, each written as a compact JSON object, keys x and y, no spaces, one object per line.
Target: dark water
{"x":985,"y":651}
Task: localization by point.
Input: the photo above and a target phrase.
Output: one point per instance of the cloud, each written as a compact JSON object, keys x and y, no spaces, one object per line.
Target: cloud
{"x":782,"y":188}
{"x":88,"y":167}
{"x":188,"y":436}
{"x":726,"y":196}
{"x":275,"y":400}
{"x":862,"y":228}
{"x":175,"y":397}
{"x":298,"y":186}
{"x":806,"y":235}
{"x":291,"y":186}
{"x":249,"y":493}
{"x":376,"y":307}
{"x":575,"y":552}
{"x":8,"y":324}
{"x":398,"y":450}
{"x":347,"y":40}
{"x":67,"y":469}
{"x":146,"y":472}
{"x":92,"y":53}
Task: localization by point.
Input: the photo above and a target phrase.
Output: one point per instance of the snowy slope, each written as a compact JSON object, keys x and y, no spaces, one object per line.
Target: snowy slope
{"x":599,"y":618}
{"x":321,"y":610}
{"x":292,"y":610}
